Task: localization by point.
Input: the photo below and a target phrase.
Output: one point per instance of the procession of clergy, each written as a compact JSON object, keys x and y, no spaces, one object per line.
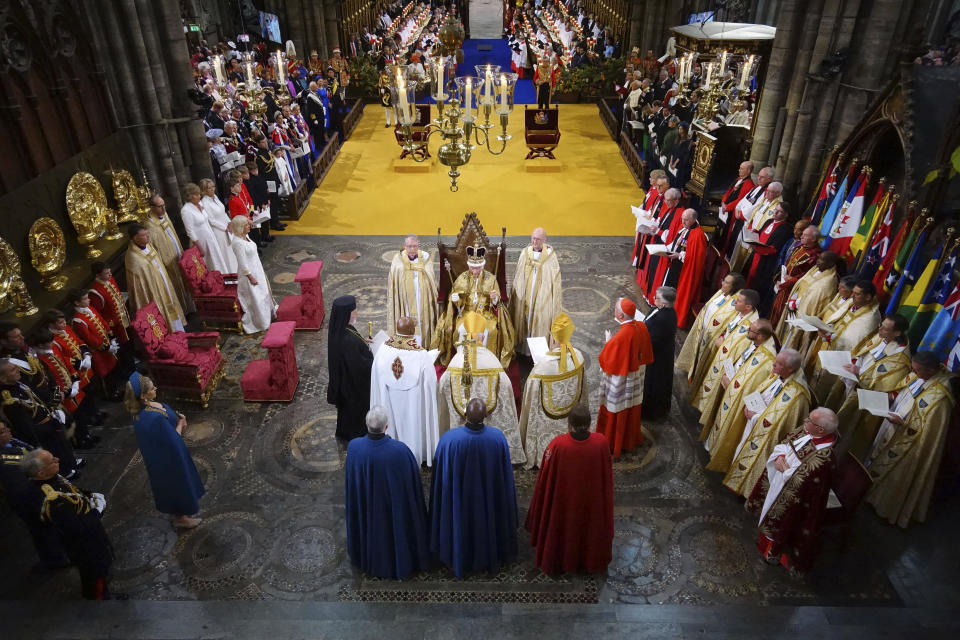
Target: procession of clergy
{"x":773,"y":417}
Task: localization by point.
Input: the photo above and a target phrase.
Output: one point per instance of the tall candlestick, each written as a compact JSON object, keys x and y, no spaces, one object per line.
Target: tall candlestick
{"x":249,"y":74}
{"x":745,"y":76}
{"x":503,"y":91}
{"x":401,"y":93}
{"x":706,"y":83}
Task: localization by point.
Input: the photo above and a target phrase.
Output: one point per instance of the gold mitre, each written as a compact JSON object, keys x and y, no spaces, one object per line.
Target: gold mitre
{"x":476,"y":255}
{"x":561,"y":330}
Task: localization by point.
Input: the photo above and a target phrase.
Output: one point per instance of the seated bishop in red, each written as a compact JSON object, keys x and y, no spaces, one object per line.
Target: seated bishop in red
{"x":106,"y":298}
{"x":571,"y":514}
{"x":622,"y":363}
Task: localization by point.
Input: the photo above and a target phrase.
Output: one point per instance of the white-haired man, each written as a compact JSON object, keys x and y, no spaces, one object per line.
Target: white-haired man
{"x":412,"y":290}
{"x":537,"y":294}
{"x":791,"y":495}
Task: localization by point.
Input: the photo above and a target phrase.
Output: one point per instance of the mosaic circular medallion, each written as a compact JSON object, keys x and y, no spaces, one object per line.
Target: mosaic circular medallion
{"x":310,"y":549}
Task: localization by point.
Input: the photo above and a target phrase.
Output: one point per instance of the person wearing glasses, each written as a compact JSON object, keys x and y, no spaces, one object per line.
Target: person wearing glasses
{"x":790,"y":497}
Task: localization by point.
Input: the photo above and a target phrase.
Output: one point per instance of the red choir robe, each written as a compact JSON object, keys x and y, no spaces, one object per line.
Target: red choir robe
{"x":764,"y":249}
{"x":94,"y":330}
{"x":798,"y":264}
{"x":72,"y":348}
{"x":640,"y":256}
{"x":570,"y":519}
{"x":106,"y":298}
{"x":668,"y":220}
{"x":648,"y":203}
{"x":622,"y":363}
{"x":790,"y":528}
{"x":691,"y":276}
{"x":728,"y":203}
{"x":63,"y":375}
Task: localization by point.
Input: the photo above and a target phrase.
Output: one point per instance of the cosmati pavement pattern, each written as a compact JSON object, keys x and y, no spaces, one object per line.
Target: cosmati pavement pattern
{"x":273,"y":515}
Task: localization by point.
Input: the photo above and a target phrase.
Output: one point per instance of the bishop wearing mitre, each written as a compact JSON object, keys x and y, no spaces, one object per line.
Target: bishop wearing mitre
{"x":412,"y":290}
{"x":404,"y":382}
{"x":554,"y":387}
{"x":476,"y":290}
{"x":537,"y":296}
{"x":475,"y":372}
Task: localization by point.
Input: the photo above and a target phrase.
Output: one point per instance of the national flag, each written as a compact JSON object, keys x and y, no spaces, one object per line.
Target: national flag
{"x":902,"y":284}
{"x":826,"y":224}
{"x":879,"y":241}
{"x":935,"y":294}
{"x":868,"y":225}
{"x":942,"y":336}
{"x":847,"y":220}
{"x":891,"y":267}
{"x":827,"y":189}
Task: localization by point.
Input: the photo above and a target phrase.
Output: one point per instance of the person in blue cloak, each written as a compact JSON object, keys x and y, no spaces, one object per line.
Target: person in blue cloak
{"x":176,"y":484}
{"x":386,"y":514}
{"x":473,"y":508}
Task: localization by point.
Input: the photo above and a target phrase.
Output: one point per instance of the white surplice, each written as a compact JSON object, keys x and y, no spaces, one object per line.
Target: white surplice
{"x":404,"y":382}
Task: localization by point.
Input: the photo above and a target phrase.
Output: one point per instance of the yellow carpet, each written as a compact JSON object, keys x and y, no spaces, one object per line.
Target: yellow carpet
{"x":363,"y":195}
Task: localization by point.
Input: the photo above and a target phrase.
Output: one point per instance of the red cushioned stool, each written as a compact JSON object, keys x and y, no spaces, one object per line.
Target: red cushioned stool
{"x":306,"y":309}
{"x":274,"y":379}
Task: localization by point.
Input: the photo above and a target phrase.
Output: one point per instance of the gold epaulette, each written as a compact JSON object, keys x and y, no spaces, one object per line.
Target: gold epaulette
{"x":8,"y":399}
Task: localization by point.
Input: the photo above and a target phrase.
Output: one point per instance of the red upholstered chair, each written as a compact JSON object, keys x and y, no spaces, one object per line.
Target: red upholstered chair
{"x":421,"y":129}
{"x":214,"y":293}
{"x":541,"y":131}
{"x":306,"y":309}
{"x":186,"y":364}
{"x":276,"y":378}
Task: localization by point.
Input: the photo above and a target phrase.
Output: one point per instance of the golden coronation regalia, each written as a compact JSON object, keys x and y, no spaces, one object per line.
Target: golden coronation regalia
{"x":473,"y":293}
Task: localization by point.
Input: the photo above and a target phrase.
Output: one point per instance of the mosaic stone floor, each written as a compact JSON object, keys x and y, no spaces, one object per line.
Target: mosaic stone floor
{"x":273,"y":513}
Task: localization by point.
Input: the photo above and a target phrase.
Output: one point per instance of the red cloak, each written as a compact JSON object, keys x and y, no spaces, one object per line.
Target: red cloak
{"x":571,"y":514}
{"x":639,"y":255}
{"x":664,"y":264}
{"x":691,"y":276}
{"x":675,"y":223}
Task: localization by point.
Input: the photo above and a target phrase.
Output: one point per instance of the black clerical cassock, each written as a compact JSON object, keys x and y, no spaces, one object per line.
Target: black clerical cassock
{"x":349,"y":361}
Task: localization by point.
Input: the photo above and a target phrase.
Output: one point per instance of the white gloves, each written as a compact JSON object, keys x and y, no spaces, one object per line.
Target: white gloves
{"x":87,"y":362}
{"x":75,"y":389}
{"x":60,"y":416}
{"x":114,"y":347}
{"x":98,"y":501}
{"x":454,"y":297}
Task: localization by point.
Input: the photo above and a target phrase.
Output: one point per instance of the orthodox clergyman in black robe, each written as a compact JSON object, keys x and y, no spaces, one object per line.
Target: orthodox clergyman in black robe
{"x":349,"y":360}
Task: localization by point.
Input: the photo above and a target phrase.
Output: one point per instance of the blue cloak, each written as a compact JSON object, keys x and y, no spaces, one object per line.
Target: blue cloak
{"x":386,"y":514}
{"x":176,"y":484}
{"x":473,"y":508}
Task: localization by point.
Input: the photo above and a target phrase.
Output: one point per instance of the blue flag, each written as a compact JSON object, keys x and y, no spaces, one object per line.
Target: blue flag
{"x":835,"y":205}
{"x":941,"y":337}
{"x":910,"y":274}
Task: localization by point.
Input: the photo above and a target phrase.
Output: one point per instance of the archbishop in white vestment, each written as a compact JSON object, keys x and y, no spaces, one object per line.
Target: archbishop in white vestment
{"x":488,"y":381}
{"x":537,"y":295}
{"x":555,"y":386}
{"x":404,"y":382}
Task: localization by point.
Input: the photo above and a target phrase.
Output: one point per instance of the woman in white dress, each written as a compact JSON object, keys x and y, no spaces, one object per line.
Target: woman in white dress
{"x":219,"y":221}
{"x":199,"y":230}
{"x":253,"y":288}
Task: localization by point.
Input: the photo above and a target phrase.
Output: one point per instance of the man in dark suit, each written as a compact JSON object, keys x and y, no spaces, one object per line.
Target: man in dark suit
{"x":658,"y":380}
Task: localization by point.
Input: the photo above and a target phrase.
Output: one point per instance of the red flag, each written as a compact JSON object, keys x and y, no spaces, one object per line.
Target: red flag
{"x":884,"y":269}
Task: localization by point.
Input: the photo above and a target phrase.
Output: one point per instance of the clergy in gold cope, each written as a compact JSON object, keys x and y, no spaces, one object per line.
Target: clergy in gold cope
{"x":537,"y":294}
{"x":148,"y":280}
{"x":412,"y":290}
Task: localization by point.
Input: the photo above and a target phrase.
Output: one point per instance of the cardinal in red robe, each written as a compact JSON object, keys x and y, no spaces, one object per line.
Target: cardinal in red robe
{"x":571,"y":514}
{"x":731,"y":198}
{"x":623,"y":361}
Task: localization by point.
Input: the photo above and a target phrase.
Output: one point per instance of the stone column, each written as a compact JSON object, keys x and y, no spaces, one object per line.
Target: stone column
{"x":332,"y":24}
{"x":779,"y":69}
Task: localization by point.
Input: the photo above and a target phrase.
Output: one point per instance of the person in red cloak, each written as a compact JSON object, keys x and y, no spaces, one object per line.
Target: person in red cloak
{"x":651,"y":202}
{"x":570,"y":519}
{"x":731,"y":198}
{"x":763,"y":257}
{"x":623,"y":360}
{"x":668,"y":221}
{"x":683,"y":266}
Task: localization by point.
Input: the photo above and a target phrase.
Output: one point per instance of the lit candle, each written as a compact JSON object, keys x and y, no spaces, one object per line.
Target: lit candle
{"x":503,"y":91}
{"x":440,"y":95}
{"x":401,"y":92}
{"x":488,"y":87}
{"x":723,"y":64}
{"x":706,"y":83}
{"x":469,"y":101}
{"x":745,"y":76}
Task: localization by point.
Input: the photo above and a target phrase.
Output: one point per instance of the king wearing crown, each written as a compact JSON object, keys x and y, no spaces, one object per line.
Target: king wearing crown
{"x":475,"y":290}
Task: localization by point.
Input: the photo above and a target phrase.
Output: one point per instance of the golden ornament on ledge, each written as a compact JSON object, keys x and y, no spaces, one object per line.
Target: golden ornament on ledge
{"x":126,"y":194}
{"x":110,"y":221}
{"x":48,"y":252}
{"x":87,"y":206}
{"x":13,"y":292}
